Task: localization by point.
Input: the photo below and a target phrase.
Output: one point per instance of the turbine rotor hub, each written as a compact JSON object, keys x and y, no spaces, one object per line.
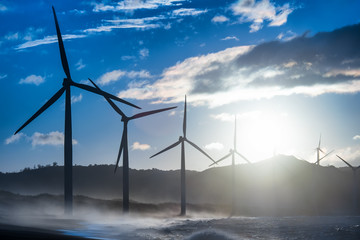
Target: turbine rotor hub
{"x":124,"y":119}
{"x":66,"y":82}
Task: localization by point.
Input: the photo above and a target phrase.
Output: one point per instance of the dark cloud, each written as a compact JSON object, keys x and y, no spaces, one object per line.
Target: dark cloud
{"x":329,"y":48}
{"x":313,"y":58}
{"x":328,"y":62}
{"x":302,"y":61}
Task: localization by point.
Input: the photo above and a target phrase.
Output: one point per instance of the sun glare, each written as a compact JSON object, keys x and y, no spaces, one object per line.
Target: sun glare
{"x":263,"y":135}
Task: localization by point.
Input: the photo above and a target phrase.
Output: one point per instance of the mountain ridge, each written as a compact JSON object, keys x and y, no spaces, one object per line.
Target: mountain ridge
{"x":275,"y":186}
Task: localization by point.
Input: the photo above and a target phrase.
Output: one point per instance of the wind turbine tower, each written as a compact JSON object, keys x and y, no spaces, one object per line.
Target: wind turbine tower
{"x":318,"y":150}
{"x":182,"y":140}
{"x":355,"y":187}
{"x":232,"y":154}
{"x":67,"y":83}
{"x":124,"y":146}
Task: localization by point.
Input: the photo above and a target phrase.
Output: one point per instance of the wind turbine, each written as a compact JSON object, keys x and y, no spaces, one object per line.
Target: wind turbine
{"x":124,"y":145}
{"x":67,"y":83}
{"x":316,"y":176}
{"x":182,"y":140}
{"x":355,"y":189}
{"x":318,"y":150}
{"x":232,"y":154}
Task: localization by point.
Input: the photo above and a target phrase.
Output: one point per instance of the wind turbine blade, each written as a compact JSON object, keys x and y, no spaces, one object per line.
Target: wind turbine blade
{"x":242,"y":156}
{"x":321,"y":150}
{"x":169,"y":147}
{"x":216,"y":162}
{"x":53,"y":99}
{"x":120,"y":151}
{"x":345,"y":162}
{"x":143,"y":114}
{"x":112,"y":104}
{"x":102,"y":93}
{"x":326,"y":155}
{"x":184,"y":121}
{"x":319,"y":141}
{"x":198,"y":148}
{"x":64,"y":61}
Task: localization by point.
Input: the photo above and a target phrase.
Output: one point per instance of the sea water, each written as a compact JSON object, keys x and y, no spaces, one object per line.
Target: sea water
{"x":330,"y":227}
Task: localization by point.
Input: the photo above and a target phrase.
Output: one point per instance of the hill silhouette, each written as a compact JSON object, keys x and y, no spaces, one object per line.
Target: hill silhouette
{"x":282,"y":185}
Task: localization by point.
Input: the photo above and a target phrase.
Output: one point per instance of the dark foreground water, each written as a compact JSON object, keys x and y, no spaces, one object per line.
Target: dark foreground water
{"x":195,"y":228}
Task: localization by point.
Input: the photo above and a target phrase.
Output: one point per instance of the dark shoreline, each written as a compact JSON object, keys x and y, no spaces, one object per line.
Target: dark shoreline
{"x":8,"y":231}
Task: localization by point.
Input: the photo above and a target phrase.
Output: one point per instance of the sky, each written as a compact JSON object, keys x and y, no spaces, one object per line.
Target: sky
{"x":288,"y":70}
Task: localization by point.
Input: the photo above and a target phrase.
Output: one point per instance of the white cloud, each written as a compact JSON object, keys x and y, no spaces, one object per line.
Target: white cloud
{"x":356,"y":137}
{"x":116,"y":75}
{"x":350,"y":154}
{"x":230,"y":38}
{"x":51,"y":138}
{"x":178,"y":80}
{"x":182,"y":12}
{"x":109,"y":28}
{"x":12,"y":36}
{"x":32,"y":79}
{"x":225,"y":117}
{"x":137,"y":84}
{"x":125,"y":58}
{"x":75,"y":99}
{"x":138,"y":74}
{"x":214,"y":146}
{"x":77,"y":12}
{"x":257,"y":12}
{"x":3,"y":8}
{"x":46,"y":40}
{"x":3,"y":76}
{"x":290,"y":64}
{"x":343,"y":72}
{"x":136,"y":23}
{"x":139,"y":146}
{"x":219,"y":19}
{"x":260,"y":72}
{"x":144,"y":53}
{"x":289,"y":35}
{"x":80,"y":65}
{"x":236,"y":82}
{"x":132,"y":5}
{"x":31,"y":33}
{"x":110,"y":77}
{"x":281,"y":17}
{"x":14,"y":138}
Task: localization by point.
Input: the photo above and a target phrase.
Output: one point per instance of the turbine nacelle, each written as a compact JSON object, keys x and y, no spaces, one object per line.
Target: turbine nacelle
{"x":67,"y":82}
{"x":124,"y":119}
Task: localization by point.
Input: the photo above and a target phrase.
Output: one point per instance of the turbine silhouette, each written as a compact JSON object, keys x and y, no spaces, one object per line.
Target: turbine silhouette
{"x":182,"y":140}
{"x":232,"y":154}
{"x":318,"y":150}
{"x":355,"y":188}
{"x":67,"y":83}
{"x":315,"y":173}
{"x":124,"y":145}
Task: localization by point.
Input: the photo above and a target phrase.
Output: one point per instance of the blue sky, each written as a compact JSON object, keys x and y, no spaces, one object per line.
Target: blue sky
{"x":289,"y":70}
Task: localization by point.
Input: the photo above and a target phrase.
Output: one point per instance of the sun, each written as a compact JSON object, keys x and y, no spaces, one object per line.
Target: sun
{"x":263,"y":135}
